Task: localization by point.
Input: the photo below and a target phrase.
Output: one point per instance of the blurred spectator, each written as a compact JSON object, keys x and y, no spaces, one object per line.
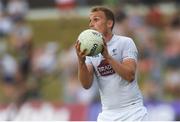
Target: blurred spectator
{"x":21,"y":35}
{"x":13,"y":86}
{"x":44,"y":59}
{"x":9,"y":67}
{"x":121,"y":26}
{"x":172,"y":47}
{"x":172,"y":83}
{"x":82,"y":2}
{"x":65,"y":4}
{"x":17,"y":9}
{"x":5,"y":25}
{"x":155,"y":16}
{"x":136,"y":20}
{"x":21,"y":40}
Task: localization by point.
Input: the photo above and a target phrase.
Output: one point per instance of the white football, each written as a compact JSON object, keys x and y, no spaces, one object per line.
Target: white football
{"x":92,"y":41}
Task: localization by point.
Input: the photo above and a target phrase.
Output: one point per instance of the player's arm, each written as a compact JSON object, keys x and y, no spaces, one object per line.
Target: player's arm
{"x":126,"y":69}
{"x":85,"y":72}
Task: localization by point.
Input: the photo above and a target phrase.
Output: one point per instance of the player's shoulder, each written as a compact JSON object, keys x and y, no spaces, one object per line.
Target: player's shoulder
{"x":123,"y":39}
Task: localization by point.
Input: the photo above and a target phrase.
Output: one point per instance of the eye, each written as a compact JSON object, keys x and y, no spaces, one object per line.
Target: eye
{"x":95,"y":19}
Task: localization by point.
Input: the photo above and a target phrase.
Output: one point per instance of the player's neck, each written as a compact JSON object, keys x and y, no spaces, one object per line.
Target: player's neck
{"x":108,"y":36}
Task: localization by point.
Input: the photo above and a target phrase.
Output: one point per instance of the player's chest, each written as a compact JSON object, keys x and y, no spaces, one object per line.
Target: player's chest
{"x":113,"y":51}
{"x":102,"y":67}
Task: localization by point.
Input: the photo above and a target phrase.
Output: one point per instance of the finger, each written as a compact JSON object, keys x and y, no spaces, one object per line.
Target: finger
{"x":78,"y":51}
{"x":77,"y":43}
{"x":84,"y":52}
{"x":78,"y":46}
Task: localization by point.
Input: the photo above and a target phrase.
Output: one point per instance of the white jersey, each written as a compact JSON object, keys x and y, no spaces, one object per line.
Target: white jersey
{"x":116,"y":92}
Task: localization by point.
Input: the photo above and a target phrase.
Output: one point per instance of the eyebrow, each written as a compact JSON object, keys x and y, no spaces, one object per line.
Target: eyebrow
{"x":96,"y":17}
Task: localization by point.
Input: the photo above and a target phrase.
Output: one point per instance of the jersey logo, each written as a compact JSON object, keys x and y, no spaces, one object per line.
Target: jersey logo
{"x":114,"y":52}
{"x":105,"y":69}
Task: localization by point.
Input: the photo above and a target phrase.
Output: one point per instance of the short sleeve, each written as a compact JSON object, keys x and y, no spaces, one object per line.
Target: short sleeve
{"x":130,"y":50}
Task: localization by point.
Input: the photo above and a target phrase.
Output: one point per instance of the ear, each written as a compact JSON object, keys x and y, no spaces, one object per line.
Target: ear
{"x":109,"y":23}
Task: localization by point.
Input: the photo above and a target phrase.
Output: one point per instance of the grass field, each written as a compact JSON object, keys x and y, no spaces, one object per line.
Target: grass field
{"x":63,"y":30}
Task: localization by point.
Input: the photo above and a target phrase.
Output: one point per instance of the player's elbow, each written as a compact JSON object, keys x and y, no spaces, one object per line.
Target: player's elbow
{"x":86,"y":86}
{"x":130,"y":78}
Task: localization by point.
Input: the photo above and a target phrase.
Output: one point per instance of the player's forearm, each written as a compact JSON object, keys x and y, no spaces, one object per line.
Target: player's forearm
{"x":126,"y":72}
{"x":84,"y":75}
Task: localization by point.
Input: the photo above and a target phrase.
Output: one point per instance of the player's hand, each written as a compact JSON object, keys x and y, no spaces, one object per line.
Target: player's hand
{"x":105,"y":50}
{"x":81,"y":55}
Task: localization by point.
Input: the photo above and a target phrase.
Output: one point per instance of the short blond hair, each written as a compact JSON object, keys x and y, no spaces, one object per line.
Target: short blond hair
{"x":108,"y":13}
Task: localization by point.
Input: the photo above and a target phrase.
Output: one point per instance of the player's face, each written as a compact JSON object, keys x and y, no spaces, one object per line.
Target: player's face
{"x":98,"y":22}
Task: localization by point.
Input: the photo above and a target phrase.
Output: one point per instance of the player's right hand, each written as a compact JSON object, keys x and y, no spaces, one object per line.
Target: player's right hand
{"x":81,"y":55}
